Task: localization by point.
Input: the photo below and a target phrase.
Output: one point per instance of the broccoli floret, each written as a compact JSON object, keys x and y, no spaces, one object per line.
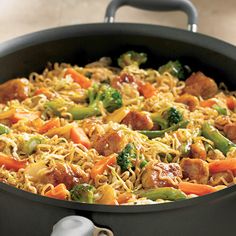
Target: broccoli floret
{"x":125,"y":156}
{"x":168,"y":118}
{"x":173,"y":116}
{"x":174,"y":68}
{"x":110,"y":98}
{"x":132,"y":58}
{"x":82,"y":193}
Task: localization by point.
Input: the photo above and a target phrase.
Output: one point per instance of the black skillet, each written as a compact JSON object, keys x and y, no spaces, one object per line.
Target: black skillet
{"x":23,"y":213}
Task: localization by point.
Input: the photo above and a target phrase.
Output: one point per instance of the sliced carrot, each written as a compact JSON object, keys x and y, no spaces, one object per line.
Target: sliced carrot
{"x":207,"y":103}
{"x":44,"y":91}
{"x":198,"y":189}
{"x":82,"y":80}
{"x":102,"y":165}
{"x":78,"y":135}
{"x":53,"y":123}
{"x":59,"y":192}
{"x":124,"y":197}
{"x":231,"y":102}
{"x":10,"y":163}
{"x":146,"y":89}
{"x":23,"y":115}
{"x":223,"y":165}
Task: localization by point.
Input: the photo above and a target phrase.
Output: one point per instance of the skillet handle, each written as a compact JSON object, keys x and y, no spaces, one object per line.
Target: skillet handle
{"x":155,"y":5}
{"x":78,"y":226}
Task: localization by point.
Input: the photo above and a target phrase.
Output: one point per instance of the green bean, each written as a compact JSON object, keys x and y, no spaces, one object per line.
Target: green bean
{"x":165,"y":193}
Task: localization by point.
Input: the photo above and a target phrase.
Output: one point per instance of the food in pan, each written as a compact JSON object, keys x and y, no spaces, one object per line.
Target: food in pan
{"x":117,"y":135}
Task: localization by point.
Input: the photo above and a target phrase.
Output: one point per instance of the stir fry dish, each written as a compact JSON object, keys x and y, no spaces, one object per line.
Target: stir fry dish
{"x":118,"y":135}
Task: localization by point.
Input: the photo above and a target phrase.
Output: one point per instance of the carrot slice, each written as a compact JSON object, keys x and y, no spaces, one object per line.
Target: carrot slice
{"x":23,"y":115}
{"x":198,"y":189}
{"x":82,"y":80}
{"x":146,"y":89}
{"x":222,"y":165}
{"x":59,"y":192}
{"x":207,"y":103}
{"x":231,"y":102}
{"x":78,"y":135}
{"x":53,"y":123}
{"x":10,"y":163}
{"x":102,"y":165}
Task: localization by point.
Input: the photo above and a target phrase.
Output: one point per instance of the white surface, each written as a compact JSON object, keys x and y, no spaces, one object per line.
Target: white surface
{"x":216,"y":17}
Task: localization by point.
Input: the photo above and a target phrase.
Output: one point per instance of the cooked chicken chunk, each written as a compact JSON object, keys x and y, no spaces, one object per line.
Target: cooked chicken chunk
{"x":138,"y":121}
{"x":195,"y":169}
{"x":161,"y":175}
{"x":200,"y":85}
{"x":189,"y":100}
{"x":111,"y":142}
{"x":230,"y":131}
{"x":198,"y":150}
{"x":14,"y":89}
{"x":67,"y":174}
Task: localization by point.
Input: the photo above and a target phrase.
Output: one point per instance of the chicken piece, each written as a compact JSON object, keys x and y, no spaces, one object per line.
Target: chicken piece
{"x":68,"y":174}
{"x":230,"y":131}
{"x":200,"y":85}
{"x":158,"y":174}
{"x":123,"y":78}
{"x":189,"y":100}
{"x":14,"y":89}
{"x":138,"y":121}
{"x":221,"y":122}
{"x":198,"y":150}
{"x":220,"y":178}
{"x":195,"y":169}
{"x":44,"y":172}
{"x":111,"y":142}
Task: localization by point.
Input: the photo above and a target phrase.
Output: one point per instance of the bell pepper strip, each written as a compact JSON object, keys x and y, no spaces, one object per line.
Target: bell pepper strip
{"x":220,"y":142}
{"x":59,"y":192}
{"x":100,"y":166}
{"x":4,"y":129}
{"x":207,"y":103}
{"x":165,"y":193}
{"x":198,"y":189}
{"x":10,"y":163}
{"x":53,"y":123}
{"x":82,"y":80}
{"x":108,"y":195}
{"x":7,"y":114}
{"x":118,"y":115}
{"x":78,"y":136}
{"x":63,"y":131}
{"x":24,"y":115}
{"x":231,"y":102}
{"x":146,"y":89}
{"x":159,"y":133}
{"x":222,"y":165}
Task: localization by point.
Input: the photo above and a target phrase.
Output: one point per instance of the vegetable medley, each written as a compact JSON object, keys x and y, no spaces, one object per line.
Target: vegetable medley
{"x":117,"y":135}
